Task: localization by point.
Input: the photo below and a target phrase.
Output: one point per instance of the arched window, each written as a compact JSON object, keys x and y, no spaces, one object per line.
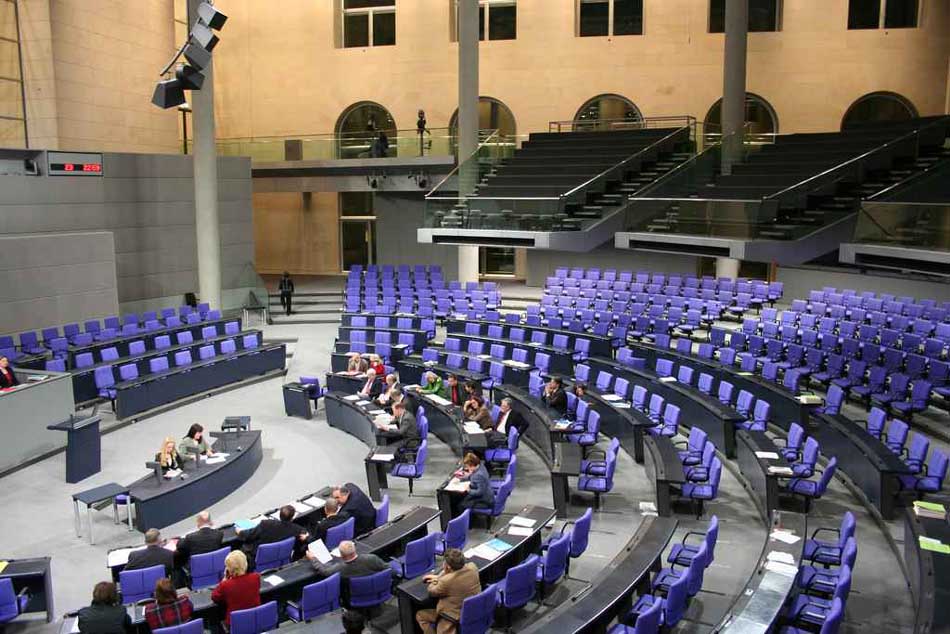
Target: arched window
{"x":360,"y":125}
{"x":879,"y":107}
{"x":759,"y":114}
{"x":492,"y":115}
{"x":612,"y":110}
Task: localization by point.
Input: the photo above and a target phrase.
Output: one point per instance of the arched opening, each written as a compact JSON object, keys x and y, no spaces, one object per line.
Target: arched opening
{"x":759,"y":114}
{"x":492,"y":115}
{"x":607,"y":112}
{"x":878,"y":107}
{"x":366,"y":129}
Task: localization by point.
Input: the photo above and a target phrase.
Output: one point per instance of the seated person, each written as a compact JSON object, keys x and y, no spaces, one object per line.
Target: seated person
{"x":392,"y":384}
{"x":333,"y":518}
{"x":507,"y":418}
{"x":154,"y":554}
{"x":194,"y":439}
{"x":479,"y":494}
{"x":483,"y":417}
{"x":269,"y":531}
{"x":454,"y":391}
{"x":455,"y":582}
{"x":7,"y":377}
{"x":353,"y":622}
{"x":580,"y":389}
{"x":433,"y":385}
{"x":357,"y":505}
{"x":407,"y":428}
{"x":349,"y":564}
{"x":205,"y":539}
{"x":472,"y":405}
{"x":168,"y":609}
{"x":105,"y":615}
{"x":239,"y":590}
{"x":376,"y":365}
{"x":168,"y":456}
{"x":357,"y":364}
{"x":554,"y":395}
{"x":369,"y":387}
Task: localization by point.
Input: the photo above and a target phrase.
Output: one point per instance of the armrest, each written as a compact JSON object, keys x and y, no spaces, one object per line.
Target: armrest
{"x":681,"y":443}
{"x":269,"y":571}
{"x":442,"y":615}
{"x":596,"y":452}
{"x":686,"y":536}
{"x":822,"y":529}
{"x":293,"y":604}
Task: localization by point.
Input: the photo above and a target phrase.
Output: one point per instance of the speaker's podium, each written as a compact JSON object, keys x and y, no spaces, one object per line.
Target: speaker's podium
{"x":83,"y":446}
{"x":297,"y":400}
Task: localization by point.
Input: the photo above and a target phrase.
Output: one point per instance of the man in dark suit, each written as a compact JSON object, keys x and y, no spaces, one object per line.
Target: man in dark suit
{"x":407,"y":428}
{"x":349,"y":564}
{"x":507,"y":418}
{"x":456,"y":393}
{"x":154,"y":554}
{"x":205,"y":539}
{"x":269,"y":531}
{"x":333,"y":518}
{"x":554,"y":395}
{"x":357,"y":505}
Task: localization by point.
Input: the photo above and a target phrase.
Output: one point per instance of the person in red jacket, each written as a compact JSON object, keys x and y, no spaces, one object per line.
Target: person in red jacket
{"x":238,"y":590}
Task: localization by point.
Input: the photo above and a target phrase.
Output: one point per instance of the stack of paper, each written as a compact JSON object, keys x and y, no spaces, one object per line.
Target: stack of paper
{"x":435,"y":398}
{"x":810,"y":399}
{"x":457,"y":486}
{"x":648,"y":508}
{"x":471,"y":427}
{"x":933,"y":545}
{"x":319,"y":550}
{"x":667,"y":379}
{"x":363,"y":403}
{"x":352,"y":397}
{"x":766,"y":455}
{"x":785,"y":558}
{"x":562,"y":424}
{"x":621,"y":405}
{"x":216,"y":459}
{"x":932,"y":510}
{"x":315,"y":501}
{"x":520,"y":531}
{"x":782,"y":568}
{"x":781,"y":471}
{"x":784,"y":536}
{"x":484,"y":356}
{"x":117,"y":557}
{"x":300,"y":507}
{"x":611,"y":397}
{"x":384,"y":457}
{"x":527,"y":522}
{"x":172,"y":473}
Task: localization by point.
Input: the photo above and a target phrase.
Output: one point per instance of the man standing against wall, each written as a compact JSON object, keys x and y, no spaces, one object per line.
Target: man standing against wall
{"x":286,"y":288}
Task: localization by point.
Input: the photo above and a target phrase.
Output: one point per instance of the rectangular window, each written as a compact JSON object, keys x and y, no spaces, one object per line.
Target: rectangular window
{"x":864,"y":14}
{"x":369,"y":23}
{"x":901,"y":14}
{"x":764,"y":16}
{"x":497,"y":20}
{"x":609,"y":17}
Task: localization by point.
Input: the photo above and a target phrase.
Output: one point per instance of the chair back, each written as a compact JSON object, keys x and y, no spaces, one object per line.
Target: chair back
{"x":420,"y":556}
{"x":675,"y":605}
{"x":207,"y":569}
{"x":456,"y":532}
{"x":128,"y":372}
{"x":103,"y":377}
{"x":382,"y":513}
{"x":478,"y":612}
{"x":833,"y":617}
{"x":810,"y":453}
{"x":919,"y":446}
{"x":520,"y":584}
{"x":656,"y":407}
{"x":257,"y":620}
{"x":195,"y":626}
{"x":580,"y":533}
{"x":725,"y":392}
{"x":876,"y":419}
{"x":697,"y":439}
{"x":275,"y":554}
{"x":339,"y":533}
{"x":555,"y":560}
{"x":649,"y":622}
{"x":370,"y":590}
{"x":897,"y":435}
{"x":321,"y":597}
{"x":826,"y":476}
{"x":9,"y":604}
{"x":139,"y":584}
{"x":697,"y":566}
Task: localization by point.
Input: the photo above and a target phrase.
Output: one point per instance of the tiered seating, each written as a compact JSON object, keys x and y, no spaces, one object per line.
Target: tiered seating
{"x":420,"y":291}
{"x":110,"y":328}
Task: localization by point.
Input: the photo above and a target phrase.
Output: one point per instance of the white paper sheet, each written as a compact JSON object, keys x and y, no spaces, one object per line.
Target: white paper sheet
{"x":174,"y":473}
{"x":667,"y":379}
{"x":215,"y":460}
{"x":781,"y":471}
{"x":784,"y":558}
{"x":435,"y":398}
{"x":520,"y":531}
{"x":319,"y":550}
{"x":274,"y":580}
{"x":785,"y":537}
{"x":352,"y":397}
{"x":120,"y":556}
{"x":517,"y":520}
{"x":621,"y":405}
{"x":315,"y":501}
{"x":611,"y":397}
{"x":483,"y":551}
{"x":384,"y":457}
{"x":457,"y":486}
{"x":766,"y":455}
{"x":783,"y":569}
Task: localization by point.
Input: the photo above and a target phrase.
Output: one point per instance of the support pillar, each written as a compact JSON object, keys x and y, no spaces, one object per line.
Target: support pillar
{"x":733,"y":81}
{"x":205,"y":160}
{"x":467,"y":141}
{"x":727,"y":267}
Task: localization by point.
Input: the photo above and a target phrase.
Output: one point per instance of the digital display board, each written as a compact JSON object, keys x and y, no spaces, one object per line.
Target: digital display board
{"x":74,"y":164}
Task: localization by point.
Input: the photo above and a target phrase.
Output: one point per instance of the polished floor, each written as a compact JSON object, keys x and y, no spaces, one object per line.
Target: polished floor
{"x":301,"y":456}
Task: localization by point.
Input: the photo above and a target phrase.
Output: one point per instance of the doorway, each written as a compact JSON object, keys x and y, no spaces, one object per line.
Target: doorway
{"x":357,"y":230}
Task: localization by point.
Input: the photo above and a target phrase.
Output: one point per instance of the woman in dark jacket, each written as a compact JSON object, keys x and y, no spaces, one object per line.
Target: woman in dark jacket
{"x":105,"y":615}
{"x":7,"y":377}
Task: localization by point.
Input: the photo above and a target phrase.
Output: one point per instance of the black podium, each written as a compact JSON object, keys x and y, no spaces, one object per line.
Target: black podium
{"x":297,"y":400}
{"x":83,"y":454}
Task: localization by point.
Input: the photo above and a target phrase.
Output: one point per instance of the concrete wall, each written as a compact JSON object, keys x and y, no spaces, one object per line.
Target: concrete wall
{"x":51,"y":279}
{"x":397,"y":218}
{"x":541,"y":263}
{"x":811,"y":71}
{"x":799,"y":280}
{"x":147,"y":203}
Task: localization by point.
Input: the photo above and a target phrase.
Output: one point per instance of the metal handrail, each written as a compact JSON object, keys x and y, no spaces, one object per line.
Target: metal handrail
{"x":641,"y":122}
{"x":329,"y":136}
{"x":876,"y":198}
{"x":850,"y":162}
{"x":682,"y":166}
{"x":460,"y":163}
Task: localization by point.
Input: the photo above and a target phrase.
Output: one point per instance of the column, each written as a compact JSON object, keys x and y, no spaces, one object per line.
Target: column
{"x":468,"y":121}
{"x":733,"y":81}
{"x":205,"y":160}
{"x":727,"y":267}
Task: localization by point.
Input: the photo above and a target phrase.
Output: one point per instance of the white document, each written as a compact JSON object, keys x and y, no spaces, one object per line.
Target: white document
{"x":274,"y":580}
{"x":784,"y":558}
{"x":300,"y":507}
{"x":174,"y":473}
{"x":37,"y":377}
{"x":319,"y":550}
{"x":611,"y":397}
{"x":315,"y":501}
{"x":120,"y":556}
{"x":810,"y":399}
{"x":377,"y":412}
{"x":74,"y":626}
{"x":515,"y":364}
{"x":520,"y":531}
{"x":435,"y":398}
{"x":534,"y":343}
{"x":782,"y":569}
{"x":384,"y":457}
{"x":781,"y":471}
{"x":517,"y":520}
{"x":216,"y":460}
{"x":383,"y":419}
{"x":619,"y":405}
{"x":363,"y":403}
{"x":457,"y":486}
{"x":484,"y":356}
{"x":784,"y":536}
{"x":766,"y":455}
{"x":483,"y":551}
{"x":647,"y":507}
{"x":352,"y":397}
{"x":471,"y":427}
{"x":667,"y":379}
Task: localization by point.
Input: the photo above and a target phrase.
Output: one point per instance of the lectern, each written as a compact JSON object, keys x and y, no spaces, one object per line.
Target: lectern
{"x":83,"y":454}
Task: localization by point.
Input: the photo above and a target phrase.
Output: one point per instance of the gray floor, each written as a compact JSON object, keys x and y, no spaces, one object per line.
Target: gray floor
{"x":301,"y":456}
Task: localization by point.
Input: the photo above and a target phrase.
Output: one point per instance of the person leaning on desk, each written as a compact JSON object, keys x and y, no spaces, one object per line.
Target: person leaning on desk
{"x":154,"y":554}
{"x":7,"y":377}
{"x":269,"y":531}
{"x":479,"y":494}
{"x":357,"y":363}
{"x":105,"y":615}
{"x":456,"y":582}
{"x":433,"y":385}
{"x":392,"y":385}
{"x":168,"y":457}
{"x":194,"y":439}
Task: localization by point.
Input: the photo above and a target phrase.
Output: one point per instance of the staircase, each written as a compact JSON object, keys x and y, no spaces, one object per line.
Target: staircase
{"x":308,"y":308}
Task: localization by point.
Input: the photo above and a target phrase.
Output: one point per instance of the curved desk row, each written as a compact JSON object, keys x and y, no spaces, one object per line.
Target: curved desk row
{"x":340,"y":357}
{"x":419,"y":337}
{"x":162,"y":503}
{"x":561,"y":361}
{"x":392,"y":321}
{"x":30,"y":361}
{"x":122,"y":343}
{"x":84,"y":379}
{"x":350,"y":383}
{"x":412,"y":369}
{"x":140,"y":395}
{"x":929,"y":571}
{"x":599,"y":346}
{"x":514,"y":373}
{"x":867,"y":462}
{"x":611,"y":592}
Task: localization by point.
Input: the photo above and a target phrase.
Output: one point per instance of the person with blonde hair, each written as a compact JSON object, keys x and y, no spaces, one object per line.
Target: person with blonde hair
{"x":376,"y":364}
{"x":239,"y":590}
{"x":168,"y":456}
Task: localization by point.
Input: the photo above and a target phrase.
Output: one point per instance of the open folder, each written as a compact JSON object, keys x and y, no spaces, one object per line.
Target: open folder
{"x":319,"y":550}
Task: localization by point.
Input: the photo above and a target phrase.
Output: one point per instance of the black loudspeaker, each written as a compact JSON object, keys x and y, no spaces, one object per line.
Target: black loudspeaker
{"x":204,"y":36}
{"x":197,"y":56}
{"x":211,"y":16}
{"x":190,"y":78}
{"x":168,"y":94}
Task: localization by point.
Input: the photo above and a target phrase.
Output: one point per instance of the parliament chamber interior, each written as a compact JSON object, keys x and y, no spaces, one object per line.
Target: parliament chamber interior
{"x":637,"y":321}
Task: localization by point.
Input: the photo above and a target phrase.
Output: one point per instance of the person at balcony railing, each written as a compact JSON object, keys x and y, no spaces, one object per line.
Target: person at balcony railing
{"x":380,"y":145}
{"x":422,"y":130}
